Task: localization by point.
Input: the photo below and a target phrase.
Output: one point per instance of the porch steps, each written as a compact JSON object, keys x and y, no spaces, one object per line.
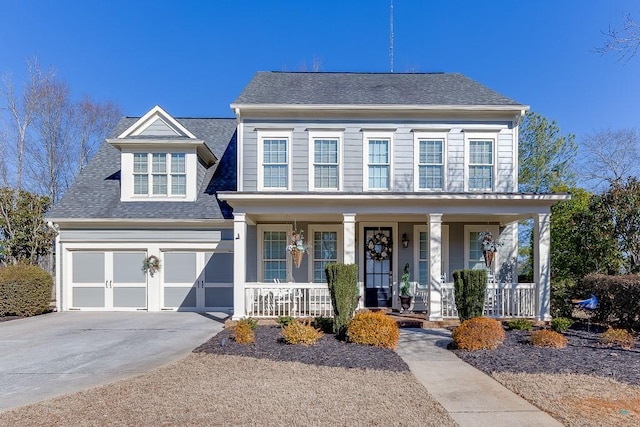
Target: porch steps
{"x":418,"y":320}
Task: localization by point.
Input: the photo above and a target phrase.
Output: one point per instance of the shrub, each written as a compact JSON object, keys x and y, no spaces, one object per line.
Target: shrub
{"x":561,"y":324}
{"x":373,"y":328}
{"x":343,"y":286}
{"x":548,"y":338}
{"x":325,"y":324}
{"x":478,"y":333}
{"x":297,"y":332}
{"x":25,"y":290}
{"x":618,"y":299}
{"x":470,"y":289}
{"x":619,"y":337}
{"x":562,"y":291}
{"x":520,"y":324}
{"x":243,"y":331}
{"x":284,"y":320}
{"x":253,"y":323}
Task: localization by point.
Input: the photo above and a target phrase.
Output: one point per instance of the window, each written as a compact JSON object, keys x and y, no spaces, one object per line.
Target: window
{"x":325,"y":163}
{"x":325,"y":249}
{"x":423,"y":260}
{"x":430,"y":164}
{"x":481,"y":164}
{"x":473,"y":247}
{"x":159,"y":180}
{"x":274,"y":255}
{"x":379,"y":164}
{"x":275,"y":162}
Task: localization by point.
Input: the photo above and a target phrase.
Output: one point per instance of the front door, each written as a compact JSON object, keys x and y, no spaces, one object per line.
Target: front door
{"x":378,"y":249}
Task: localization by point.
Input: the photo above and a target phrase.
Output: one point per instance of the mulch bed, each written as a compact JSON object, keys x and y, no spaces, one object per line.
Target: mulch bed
{"x":583,"y":355}
{"x":7,"y":318}
{"x":328,"y":351}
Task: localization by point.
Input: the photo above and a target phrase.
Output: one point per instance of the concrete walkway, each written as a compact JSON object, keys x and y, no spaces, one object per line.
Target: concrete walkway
{"x":47,"y":356}
{"x":471,"y":397}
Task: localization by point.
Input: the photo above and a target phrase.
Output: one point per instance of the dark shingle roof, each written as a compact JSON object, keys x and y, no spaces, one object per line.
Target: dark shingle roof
{"x":368,"y":89}
{"x":96,"y":191}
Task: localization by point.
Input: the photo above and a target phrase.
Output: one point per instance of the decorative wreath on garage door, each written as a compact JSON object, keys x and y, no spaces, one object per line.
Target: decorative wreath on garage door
{"x":151,"y":264}
{"x":379,"y":247}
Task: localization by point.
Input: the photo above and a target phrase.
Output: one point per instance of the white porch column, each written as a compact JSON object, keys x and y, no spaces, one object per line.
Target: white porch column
{"x":349,"y":235}
{"x":239,"y":264}
{"x":542,"y":263}
{"x":435,"y":266}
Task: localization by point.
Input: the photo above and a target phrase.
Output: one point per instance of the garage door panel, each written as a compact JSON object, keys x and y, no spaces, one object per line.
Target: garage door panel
{"x":130,"y":297}
{"x":128,"y":267}
{"x":218,"y":268}
{"x":87,"y":297}
{"x":180,"y":267}
{"x":218,"y":297}
{"x":180,"y":297}
{"x":88,"y":267}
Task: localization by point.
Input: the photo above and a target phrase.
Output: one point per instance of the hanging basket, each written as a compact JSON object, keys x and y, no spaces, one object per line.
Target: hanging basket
{"x":297,"y":257}
{"x":488,"y":258}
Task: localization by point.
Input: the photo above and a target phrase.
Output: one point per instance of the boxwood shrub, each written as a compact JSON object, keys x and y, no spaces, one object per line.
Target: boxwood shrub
{"x":25,"y":290}
{"x":618,"y":299}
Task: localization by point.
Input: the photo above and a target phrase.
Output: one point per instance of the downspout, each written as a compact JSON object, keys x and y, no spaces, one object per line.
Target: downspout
{"x":58,"y":266}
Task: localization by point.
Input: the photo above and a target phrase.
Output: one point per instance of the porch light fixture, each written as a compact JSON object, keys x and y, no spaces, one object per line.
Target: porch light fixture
{"x":405,"y":240}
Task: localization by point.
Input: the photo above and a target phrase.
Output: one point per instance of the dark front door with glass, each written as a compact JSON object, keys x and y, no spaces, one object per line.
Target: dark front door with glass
{"x":378,"y":271}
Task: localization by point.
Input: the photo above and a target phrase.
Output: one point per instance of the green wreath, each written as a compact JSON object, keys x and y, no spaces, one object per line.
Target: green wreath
{"x":379,"y":247}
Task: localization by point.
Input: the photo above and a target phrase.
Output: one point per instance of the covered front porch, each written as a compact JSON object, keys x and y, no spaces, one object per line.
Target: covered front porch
{"x":433,"y":235}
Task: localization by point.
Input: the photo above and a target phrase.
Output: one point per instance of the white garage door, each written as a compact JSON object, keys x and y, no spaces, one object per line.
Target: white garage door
{"x":108,"y":280}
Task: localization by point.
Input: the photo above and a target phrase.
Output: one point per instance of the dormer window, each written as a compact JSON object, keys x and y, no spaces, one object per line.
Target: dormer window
{"x":167,"y":176}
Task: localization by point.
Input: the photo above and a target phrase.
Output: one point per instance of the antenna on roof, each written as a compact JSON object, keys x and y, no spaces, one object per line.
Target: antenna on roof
{"x":391,"y":39}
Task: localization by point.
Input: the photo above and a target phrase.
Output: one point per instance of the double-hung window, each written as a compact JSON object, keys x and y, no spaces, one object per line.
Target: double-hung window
{"x":325,"y":163}
{"x":272,"y":255}
{"x":430,"y":164}
{"x":326,"y":249}
{"x":377,"y":158}
{"x":167,"y":175}
{"x":481,"y":164}
{"x":274,"y":154}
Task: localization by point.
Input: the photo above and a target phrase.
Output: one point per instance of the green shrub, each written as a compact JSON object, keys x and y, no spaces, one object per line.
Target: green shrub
{"x":619,"y":337}
{"x":548,"y":338}
{"x":618,"y":299}
{"x":562,"y":291}
{"x":561,"y":324}
{"x":343,"y":286}
{"x":297,"y":332}
{"x":243,"y":331}
{"x":478,"y":333}
{"x":325,"y":324}
{"x":25,"y":290}
{"x":470,"y":289}
{"x":373,"y":328}
{"x":253,"y":323}
{"x":520,"y":324}
{"x":284,"y":320}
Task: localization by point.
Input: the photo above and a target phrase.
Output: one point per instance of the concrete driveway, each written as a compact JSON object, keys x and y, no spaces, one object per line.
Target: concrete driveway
{"x":46,"y":356}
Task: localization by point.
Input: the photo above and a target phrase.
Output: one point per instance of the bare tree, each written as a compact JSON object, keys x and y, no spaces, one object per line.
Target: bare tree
{"x":94,"y":122}
{"x":610,"y":156}
{"x":625,"y":41}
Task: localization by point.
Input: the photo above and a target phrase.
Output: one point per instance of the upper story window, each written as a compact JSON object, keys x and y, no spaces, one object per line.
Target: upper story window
{"x":274,"y":154}
{"x":324,"y":170}
{"x":430,"y":161}
{"x":167,"y":175}
{"x":481,"y":164}
{"x":377,"y":157}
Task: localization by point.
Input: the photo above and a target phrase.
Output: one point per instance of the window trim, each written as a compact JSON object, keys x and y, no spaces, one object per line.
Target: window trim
{"x":366,"y":137}
{"x":320,"y":228}
{"x":261,"y":228}
{"x":429,"y":136}
{"x":273,"y":134}
{"x":313,"y":135}
{"x":468,"y":229}
{"x":128,"y":174}
{"x":480,"y":136}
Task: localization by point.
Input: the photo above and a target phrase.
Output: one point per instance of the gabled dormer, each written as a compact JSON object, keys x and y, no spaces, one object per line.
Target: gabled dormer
{"x":160,"y":159}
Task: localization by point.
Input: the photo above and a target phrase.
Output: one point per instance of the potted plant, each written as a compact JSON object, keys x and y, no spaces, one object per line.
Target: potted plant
{"x":405,"y":289}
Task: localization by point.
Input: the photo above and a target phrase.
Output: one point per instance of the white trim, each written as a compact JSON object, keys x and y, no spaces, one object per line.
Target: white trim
{"x":442,"y":107}
{"x":431,"y":136}
{"x":395,"y":196}
{"x":263,"y":134}
{"x":481,"y":136}
{"x":261,"y":228}
{"x":336,"y":228}
{"x":240,"y":153}
{"x":494,"y":229}
{"x":149,"y":118}
{"x":382,"y":135}
{"x":317,"y":134}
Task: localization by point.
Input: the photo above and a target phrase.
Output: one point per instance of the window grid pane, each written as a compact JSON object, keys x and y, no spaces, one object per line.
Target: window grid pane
{"x":325,"y":163}
{"x":275,"y":166}
{"x":480,"y":165}
{"x":141,"y":184}
{"x":140,"y":163}
{"x":160,"y":185}
{"x":178,"y":163}
{"x":379,"y":177}
{"x":378,"y":151}
{"x":275,"y":176}
{"x":476,"y":259}
{"x":178,"y":185}
{"x":159,"y":162}
{"x":423,"y":261}
{"x":274,"y":255}
{"x":325,"y":251}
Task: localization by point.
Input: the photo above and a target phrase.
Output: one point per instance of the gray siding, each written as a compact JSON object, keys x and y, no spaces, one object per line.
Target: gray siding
{"x":403,"y":154}
{"x":149,"y":235}
{"x":158,"y":128}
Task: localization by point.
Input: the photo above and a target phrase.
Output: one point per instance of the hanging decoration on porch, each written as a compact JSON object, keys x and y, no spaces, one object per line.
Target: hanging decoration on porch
{"x":379,"y":247}
{"x":297,"y":247}
{"x":489,"y":247}
{"x":151,"y":264}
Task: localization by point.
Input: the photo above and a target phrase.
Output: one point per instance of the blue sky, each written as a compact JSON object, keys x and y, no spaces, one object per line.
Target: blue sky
{"x":194,"y":58}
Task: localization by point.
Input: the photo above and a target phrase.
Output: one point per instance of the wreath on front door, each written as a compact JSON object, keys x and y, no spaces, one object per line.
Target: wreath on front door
{"x":379,"y":247}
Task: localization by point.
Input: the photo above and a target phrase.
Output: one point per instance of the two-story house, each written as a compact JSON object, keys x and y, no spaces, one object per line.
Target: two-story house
{"x":376,"y":169}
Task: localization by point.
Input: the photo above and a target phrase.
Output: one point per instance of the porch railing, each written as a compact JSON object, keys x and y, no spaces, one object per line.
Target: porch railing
{"x":287,"y":299}
{"x":501,"y":300}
